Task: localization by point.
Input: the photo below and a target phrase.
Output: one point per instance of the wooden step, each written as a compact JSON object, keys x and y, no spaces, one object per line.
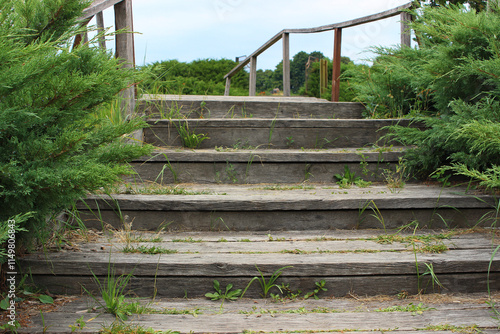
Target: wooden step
{"x":186,"y":264}
{"x":287,"y":207}
{"x":230,"y":165}
{"x":413,"y":315}
{"x":270,"y":133}
{"x":196,"y":106}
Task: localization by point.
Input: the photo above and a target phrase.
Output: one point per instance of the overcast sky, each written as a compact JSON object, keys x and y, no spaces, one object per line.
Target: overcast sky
{"x":199,"y":29}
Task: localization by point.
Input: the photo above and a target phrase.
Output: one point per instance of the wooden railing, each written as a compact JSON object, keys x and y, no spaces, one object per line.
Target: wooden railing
{"x":337,"y":28}
{"x":124,"y":42}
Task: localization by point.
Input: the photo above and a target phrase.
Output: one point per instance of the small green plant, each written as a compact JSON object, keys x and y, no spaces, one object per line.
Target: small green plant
{"x":320,"y":286}
{"x":287,"y":292}
{"x":376,"y":213}
{"x":349,"y":179}
{"x":307,"y":172}
{"x":412,"y":308}
{"x":171,"y":168}
{"x":231,"y":172}
{"x":188,"y":137}
{"x":289,"y":141}
{"x":396,"y":180}
{"x":79,"y":325}
{"x":267,"y":285}
{"x":227,"y":294}
{"x":112,"y":291}
{"x":271,"y":129}
{"x":121,"y":328}
{"x":149,"y":250}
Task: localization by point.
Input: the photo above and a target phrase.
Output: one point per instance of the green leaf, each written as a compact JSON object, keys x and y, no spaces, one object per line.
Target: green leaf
{"x":46,"y":299}
{"x":213,"y":296}
{"x":4,"y":304}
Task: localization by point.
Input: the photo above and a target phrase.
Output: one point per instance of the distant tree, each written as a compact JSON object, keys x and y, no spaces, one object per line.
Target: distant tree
{"x":199,"y":77}
{"x":298,"y":69}
{"x":265,"y":82}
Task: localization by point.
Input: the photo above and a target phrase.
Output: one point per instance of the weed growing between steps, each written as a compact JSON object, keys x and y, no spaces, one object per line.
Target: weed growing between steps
{"x":348,"y":179}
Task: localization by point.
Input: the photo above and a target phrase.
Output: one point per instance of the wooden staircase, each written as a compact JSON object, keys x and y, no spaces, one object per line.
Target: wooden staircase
{"x":259,"y":193}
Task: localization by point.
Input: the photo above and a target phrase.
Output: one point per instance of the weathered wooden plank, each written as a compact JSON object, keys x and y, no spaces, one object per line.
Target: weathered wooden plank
{"x":337,"y":264}
{"x":465,"y":236}
{"x":410,"y":197}
{"x":274,"y":155}
{"x":430,"y":302}
{"x":281,"y":122}
{"x":340,"y":286}
{"x":266,"y":323}
{"x":310,"y":133}
{"x":249,"y":219}
{"x":298,"y":247}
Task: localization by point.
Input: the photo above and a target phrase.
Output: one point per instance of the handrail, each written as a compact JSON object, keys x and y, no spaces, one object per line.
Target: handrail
{"x":337,"y":27}
{"x":98,"y":6}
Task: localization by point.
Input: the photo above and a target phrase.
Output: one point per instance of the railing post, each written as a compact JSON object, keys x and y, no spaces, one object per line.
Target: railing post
{"x":124,"y":46}
{"x":228,"y":86}
{"x":99,"y":17}
{"x":286,"y":64}
{"x":405,"y":29}
{"x":252,"y":86}
{"x":337,"y":46}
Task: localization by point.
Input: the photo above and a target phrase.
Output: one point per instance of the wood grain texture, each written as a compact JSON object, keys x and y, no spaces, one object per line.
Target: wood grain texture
{"x":360,"y":322}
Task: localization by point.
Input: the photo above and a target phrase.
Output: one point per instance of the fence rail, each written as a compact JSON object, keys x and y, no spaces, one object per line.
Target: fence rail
{"x":337,"y":28}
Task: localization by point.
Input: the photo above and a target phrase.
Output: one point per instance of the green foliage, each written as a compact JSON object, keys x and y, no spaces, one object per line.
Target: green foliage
{"x":475,"y":4}
{"x":457,"y":58}
{"x":199,"y":77}
{"x":53,"y":148}
{"x":451,"y":82}
{"x":467,"y":140}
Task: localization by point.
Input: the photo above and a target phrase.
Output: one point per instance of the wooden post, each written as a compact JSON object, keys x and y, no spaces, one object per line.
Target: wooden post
{"x":286,"y":64}
{"x":228,"y":86}
{"x":99,"y":17}
{"x":124,"y":48}
{"x":252,"y":86}
{"x":405,"y":29}
{"x":337,"y":46}
{"x":323,"y":75}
